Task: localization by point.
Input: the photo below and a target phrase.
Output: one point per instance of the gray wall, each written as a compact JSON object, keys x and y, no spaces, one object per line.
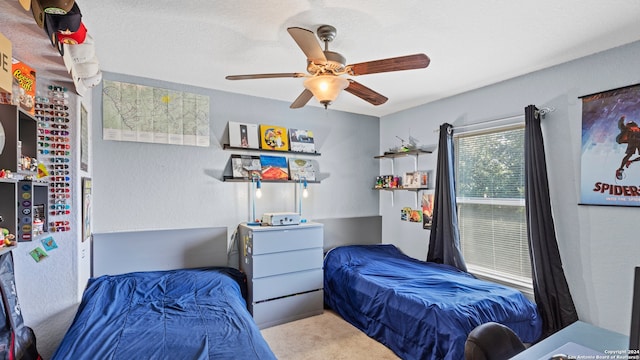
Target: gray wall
{"x":599,"y":245}
{"x":139,"y":186}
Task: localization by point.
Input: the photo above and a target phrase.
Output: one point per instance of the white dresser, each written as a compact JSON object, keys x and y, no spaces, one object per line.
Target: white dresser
{"x":284,"y":272}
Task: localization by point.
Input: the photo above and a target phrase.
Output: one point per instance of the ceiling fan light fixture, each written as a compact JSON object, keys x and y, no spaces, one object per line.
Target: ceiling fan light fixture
{"x":326,"y":88}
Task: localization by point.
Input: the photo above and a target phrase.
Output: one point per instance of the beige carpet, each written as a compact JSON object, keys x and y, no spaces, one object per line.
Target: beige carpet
{"x":322,"y":337}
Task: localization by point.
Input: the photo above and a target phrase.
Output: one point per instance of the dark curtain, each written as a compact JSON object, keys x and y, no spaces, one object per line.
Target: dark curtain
{"x":444,"y":241}
{"x":549,"y":283}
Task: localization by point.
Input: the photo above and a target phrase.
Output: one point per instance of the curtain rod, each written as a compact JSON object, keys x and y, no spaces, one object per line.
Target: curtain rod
{"x":542,"y":112}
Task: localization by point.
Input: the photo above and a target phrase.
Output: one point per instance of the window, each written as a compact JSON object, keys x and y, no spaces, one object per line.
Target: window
{"x":491,"y":205}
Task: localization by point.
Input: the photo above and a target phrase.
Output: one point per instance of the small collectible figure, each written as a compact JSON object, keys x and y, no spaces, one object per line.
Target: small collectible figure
{"x":7,"y":238}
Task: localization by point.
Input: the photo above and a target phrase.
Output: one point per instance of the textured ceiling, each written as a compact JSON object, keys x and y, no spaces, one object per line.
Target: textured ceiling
{"x":198,"y":42}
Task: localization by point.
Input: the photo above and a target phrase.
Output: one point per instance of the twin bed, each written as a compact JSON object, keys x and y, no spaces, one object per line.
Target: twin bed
{"x":419,"y":310}
{"x":182,"y":304}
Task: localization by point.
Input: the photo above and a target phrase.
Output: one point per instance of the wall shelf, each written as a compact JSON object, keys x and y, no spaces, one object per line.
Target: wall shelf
{"x":403,"y":154}
{"x":232,"y":179}
{"x":229,"y":147}
{"x":393,"y":156}
{"x":402,"y":189}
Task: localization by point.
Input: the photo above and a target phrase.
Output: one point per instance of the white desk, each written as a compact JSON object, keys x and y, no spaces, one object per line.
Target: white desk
{"x":581,"y":333}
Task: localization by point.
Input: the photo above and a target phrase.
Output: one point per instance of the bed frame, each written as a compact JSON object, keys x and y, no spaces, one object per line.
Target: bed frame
{"x":149,"y":250}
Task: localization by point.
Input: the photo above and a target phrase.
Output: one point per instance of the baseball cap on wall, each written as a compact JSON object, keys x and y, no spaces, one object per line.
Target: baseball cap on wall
{"x":79,"y":53}
{"x":41,"y":7}
{"x":26,"y":4}
{"x":73,"y":38}
{"x":70,"y":22}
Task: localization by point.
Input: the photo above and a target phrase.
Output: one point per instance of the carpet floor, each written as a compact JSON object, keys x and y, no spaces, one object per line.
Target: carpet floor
{"x":321,"y":337}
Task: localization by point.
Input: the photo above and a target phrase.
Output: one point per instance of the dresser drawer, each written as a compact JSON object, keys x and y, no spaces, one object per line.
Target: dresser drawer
{"x":287,"y":239}
{"x":280,"y":311}
{"x":286,"y":262}
{"x":291,"y":283}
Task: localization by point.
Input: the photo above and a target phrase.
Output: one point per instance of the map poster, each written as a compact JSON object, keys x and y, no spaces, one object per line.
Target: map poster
{"x":610,"y":154}
{"x":141,"y":113}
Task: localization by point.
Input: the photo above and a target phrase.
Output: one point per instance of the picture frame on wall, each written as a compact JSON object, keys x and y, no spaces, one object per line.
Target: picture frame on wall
{"x":84,"y":138}
{"x":610,"y":151}
{"x":243,"y":135}
{"x":427,"y":209}
{"x":86,"y":208}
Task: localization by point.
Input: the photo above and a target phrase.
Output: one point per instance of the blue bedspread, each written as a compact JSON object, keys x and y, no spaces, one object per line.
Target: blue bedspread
{"x":419,"y":310}
{"x":176,"y":314}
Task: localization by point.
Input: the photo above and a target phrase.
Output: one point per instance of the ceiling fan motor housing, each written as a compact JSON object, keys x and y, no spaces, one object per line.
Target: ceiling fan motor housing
{"x":335,"y":64}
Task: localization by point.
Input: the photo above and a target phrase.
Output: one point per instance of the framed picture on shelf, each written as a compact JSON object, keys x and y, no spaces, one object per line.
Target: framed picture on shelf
{"x":273,"y":138}
{"x":243,"y":135}
{"x":274,"y":167}
{"x":245,"y":166}
{"x":301,"y":141}
{"x":416,"y":180}
{"x":303,"y":169}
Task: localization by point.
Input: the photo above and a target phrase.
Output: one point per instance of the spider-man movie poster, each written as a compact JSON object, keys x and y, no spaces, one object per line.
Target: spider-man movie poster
{"x":611,"y":147}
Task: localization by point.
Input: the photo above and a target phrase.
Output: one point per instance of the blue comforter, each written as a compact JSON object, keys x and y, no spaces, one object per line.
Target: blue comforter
{"x":177,"y":314}
{"x":419,"y":310}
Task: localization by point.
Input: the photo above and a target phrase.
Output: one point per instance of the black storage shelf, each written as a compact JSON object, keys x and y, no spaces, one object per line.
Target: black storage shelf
{"x":232,"y":179}
{"x":229,"y":147}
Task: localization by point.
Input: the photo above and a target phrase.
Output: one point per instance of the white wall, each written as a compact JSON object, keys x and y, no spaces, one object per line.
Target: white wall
{"x":599,"y":245}
{"x":49,"y":291}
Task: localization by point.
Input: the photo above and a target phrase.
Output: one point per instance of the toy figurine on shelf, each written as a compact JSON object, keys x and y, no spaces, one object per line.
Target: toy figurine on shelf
{"x":7,"y":238}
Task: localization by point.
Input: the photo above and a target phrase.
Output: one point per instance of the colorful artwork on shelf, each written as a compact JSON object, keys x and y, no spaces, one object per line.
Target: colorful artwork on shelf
{"x":273,"y":138}
{"x":274,"y":167}
{"x":243,"y":135}
{"x":416,"y":180}
{"x":245,"y":166}
{"x":301,"y":141}
{"x":303,"y":169}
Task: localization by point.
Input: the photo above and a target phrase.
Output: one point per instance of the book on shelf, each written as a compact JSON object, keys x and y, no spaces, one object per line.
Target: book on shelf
{"x":274,"y":167}
{"x":273,"y":138}
{"x":245,"y":166}
{"x":243,"y":135}
{"x":303,"y":169}
{"x":301,"y":141}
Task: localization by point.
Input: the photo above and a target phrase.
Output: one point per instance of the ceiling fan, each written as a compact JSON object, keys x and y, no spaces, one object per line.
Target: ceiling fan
{"x":325,"y":68}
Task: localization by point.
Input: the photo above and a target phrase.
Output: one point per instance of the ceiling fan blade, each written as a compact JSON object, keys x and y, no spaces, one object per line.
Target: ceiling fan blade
{"x":307,"y":41}
{"x":365,"y":93}
{"x":264,"y":76}
{"x":302,"y":99}
{"x":409,"y":62}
